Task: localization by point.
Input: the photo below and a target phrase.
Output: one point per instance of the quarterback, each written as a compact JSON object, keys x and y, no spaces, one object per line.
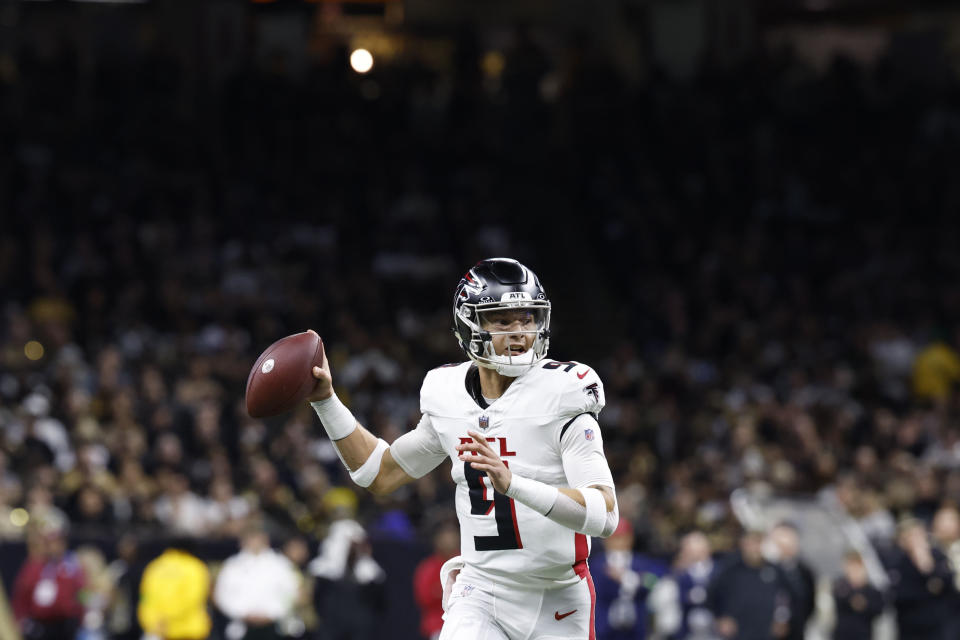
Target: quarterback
{"x":533,"y":484}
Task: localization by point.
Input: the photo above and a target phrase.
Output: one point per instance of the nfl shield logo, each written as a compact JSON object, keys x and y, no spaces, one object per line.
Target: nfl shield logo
{"x":588,"y":434}
{"x":484,"y":422}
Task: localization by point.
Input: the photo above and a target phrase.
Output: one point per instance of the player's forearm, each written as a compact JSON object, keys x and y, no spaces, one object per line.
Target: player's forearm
{"x":574,"y":494}
{"x":365,"y":456}
{"x":582,"y":510}
{"x":356,"y":448}
{"x":355,"y":445}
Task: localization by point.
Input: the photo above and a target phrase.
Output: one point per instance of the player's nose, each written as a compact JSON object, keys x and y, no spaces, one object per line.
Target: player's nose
{"x":515,"y":328}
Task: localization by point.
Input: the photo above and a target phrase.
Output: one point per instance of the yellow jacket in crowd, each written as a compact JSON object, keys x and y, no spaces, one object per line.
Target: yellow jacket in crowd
{"x":173,"y":597}
{"x":935,"y":372}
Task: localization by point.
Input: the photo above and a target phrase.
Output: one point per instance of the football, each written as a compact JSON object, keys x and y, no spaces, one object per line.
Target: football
{"x":282,"y":376}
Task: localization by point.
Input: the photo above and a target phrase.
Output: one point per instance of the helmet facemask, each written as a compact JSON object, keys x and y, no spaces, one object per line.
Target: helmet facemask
{"x":480,"y":347}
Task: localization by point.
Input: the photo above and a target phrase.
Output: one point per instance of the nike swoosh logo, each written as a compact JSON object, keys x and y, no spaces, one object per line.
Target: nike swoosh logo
{"x":561,"y":616}
{"x":583,"y":375}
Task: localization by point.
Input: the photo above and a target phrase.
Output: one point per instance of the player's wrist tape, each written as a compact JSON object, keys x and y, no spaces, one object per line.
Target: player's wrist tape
{"x":336,"y":418}
{"x":538,"y":496}
{"x":592,"y":519}
{"x":596,"y":508}
{"x":368,"y":471}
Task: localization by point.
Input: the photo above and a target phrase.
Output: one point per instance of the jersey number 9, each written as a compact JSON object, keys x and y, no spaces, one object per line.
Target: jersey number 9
{"x":508,"y":535}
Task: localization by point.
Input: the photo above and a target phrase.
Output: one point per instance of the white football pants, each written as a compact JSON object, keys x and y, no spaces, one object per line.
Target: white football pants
{"x":479,"y":609}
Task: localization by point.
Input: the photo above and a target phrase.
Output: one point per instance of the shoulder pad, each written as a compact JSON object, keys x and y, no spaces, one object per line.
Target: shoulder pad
{"x":578,"y":387}
{"x":439,"y":386}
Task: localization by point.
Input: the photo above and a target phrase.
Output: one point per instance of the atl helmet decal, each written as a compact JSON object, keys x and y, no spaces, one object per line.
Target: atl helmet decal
{"x":593,"y":389}
{"x":471,"y":284}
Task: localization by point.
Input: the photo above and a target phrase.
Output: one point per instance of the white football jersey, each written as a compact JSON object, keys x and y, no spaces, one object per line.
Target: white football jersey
{"x":540,"y":430}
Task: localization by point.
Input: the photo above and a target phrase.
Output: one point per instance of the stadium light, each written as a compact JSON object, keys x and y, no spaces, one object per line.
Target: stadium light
{"x":33,"y":350}
{"x":361,"y":60}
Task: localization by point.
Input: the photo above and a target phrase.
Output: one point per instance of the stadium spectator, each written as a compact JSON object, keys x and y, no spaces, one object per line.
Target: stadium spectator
{"x":426,"y":578}
{"x":349,"y":590}
{"x":47,"y":590}
{"x":936,"y":372}
{"x":256,"y":588}
{"x":304,"y":620}
{"x":623,"y":580}
{"x":679,"y":601}
{"x":857,"y":603}
{"x":923,"y":586}
{"x":945,"y":531}
{"x":126,"y":571}
{"x":173,"y":595}
{"x":749,"y":598}
{"x":8,"y":623}
{"x":97,"y":593}
{"x":797,"y":575}
{"x":178,"y":508}
{"x":226,"y":513}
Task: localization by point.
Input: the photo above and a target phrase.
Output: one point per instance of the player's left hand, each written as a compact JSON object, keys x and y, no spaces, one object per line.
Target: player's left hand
{"x":481,"y":456}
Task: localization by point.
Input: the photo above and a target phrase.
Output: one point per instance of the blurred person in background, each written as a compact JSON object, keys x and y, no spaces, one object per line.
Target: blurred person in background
{"x":226,"y":512}
{"x":945,"y":530}
{"x":679,"y":601}
{"x":48,"y":587}
{"x":125,"y":571}
{"x":304,"y":620}
{"x":748,"y":595}
{"x":936,"y":372}
{"x":256,"y":588}
{"x":923,"y":586}
{"x":96,"y":595}
{"x":857,"y":603}
{"x":349,"y":593}
{"x":623,"y":579}
{"x":178,"y":508}
{"x":8,"y":623}
{"x":801,"y":583}
{"x":426,"y":581}
{"x":173,"y":595}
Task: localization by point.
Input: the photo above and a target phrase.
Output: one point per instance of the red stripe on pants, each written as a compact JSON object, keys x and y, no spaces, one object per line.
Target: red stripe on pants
{"x":580,"y":550}
{"x":583,"y":571}
{"x":593,"y":607}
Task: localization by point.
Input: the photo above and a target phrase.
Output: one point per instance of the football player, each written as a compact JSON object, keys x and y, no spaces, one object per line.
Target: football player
{"x":533,"y":484}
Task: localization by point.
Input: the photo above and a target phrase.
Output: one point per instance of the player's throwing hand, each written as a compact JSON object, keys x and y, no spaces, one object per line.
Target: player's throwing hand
{"x":324,"y":388}
{"x":483,"y":458}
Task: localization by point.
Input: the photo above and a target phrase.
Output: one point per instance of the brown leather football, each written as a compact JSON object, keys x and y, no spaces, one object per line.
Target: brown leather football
{"x":282,"y":377}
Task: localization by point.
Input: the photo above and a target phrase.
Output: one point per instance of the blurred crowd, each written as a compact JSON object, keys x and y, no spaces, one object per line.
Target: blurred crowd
{"x":760,"y":263}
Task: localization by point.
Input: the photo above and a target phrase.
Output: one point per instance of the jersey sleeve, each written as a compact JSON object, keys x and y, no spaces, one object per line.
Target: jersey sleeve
{"x":581,"y":392}
{"x":418,"y":452}
{"x":581,"y":450}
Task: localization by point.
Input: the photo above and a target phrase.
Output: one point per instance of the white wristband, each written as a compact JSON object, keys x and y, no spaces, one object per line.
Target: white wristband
{"x":336,"y":418}
{"x":368,"y":471}
{"x":596,"y":516}
{"x":538,"y":496}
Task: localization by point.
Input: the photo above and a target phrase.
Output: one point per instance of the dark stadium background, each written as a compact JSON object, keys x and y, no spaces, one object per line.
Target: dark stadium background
{"x":746,"y":214}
